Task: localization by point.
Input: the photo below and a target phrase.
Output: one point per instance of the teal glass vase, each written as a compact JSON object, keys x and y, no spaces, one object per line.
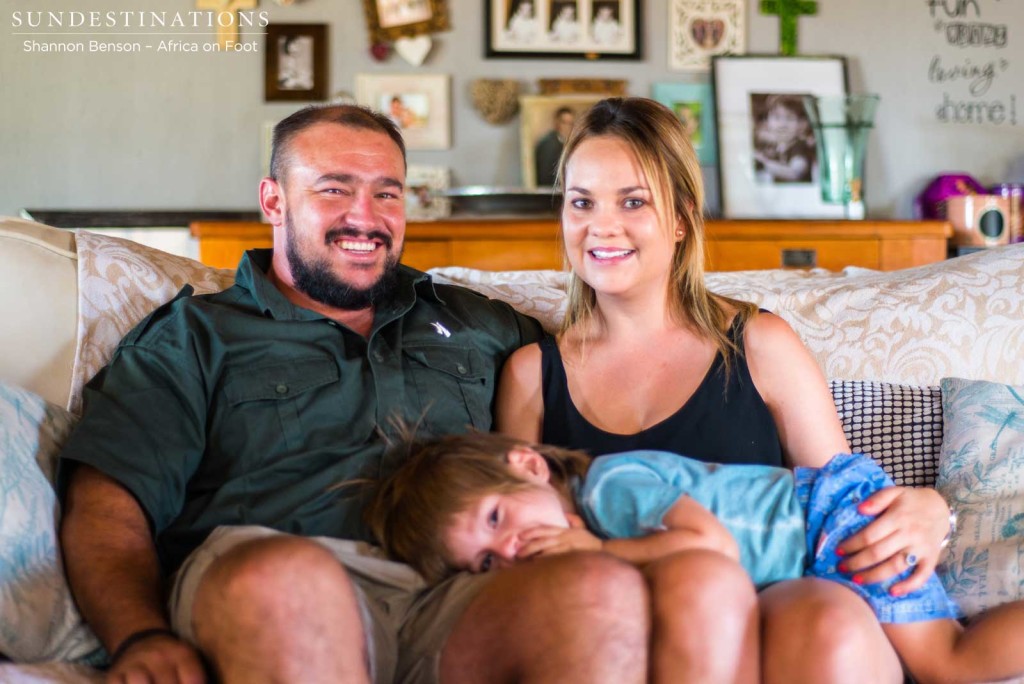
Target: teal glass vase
{"x":841,"y":125}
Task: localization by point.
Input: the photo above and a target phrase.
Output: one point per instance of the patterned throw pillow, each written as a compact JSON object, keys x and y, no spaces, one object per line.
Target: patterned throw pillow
{"x":38,"y":619}
{"x":981,"y":475}
{"x":900,"y":426}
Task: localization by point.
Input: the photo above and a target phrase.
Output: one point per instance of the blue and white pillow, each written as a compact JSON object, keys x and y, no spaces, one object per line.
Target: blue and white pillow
{"x":38,"y":618}
{"x":981,"y":475}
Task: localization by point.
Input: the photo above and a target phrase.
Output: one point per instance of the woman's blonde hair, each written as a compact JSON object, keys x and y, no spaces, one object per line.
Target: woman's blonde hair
{"x":663,"y":151}
{"x":440,"y":478}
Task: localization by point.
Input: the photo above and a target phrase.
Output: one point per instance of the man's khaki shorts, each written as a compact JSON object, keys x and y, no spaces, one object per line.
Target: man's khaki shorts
{"x":406,"y":624}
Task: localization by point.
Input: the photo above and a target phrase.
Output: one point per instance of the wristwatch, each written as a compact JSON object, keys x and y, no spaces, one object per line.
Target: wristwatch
{"x":950,"y":532}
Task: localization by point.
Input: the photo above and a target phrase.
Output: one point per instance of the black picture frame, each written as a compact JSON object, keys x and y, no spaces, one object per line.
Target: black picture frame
{"x":604,"y":29}
{"x":295,"y":65}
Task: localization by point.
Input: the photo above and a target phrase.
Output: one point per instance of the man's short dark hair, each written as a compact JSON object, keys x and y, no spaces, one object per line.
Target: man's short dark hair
{"x":353,"y":116}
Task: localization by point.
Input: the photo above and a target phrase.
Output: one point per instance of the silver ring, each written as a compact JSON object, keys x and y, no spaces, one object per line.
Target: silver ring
{"x":910,"y":559}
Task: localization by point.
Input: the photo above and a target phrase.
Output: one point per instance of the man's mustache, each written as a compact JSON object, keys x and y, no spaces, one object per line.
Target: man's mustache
{"x":335,"y":234}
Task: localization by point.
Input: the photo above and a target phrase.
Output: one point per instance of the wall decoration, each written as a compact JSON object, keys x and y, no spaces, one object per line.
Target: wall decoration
{"x":226,"y":35}
{"x":496,"y":100}
{"x":766,"y":147}
{"x":788,"y":11}
{"x":609,"y":87}
{"x":546,"y":122}
{"x":388,"y":20}
{"x":295,"y":66}
{"x":424,"y":192}
{"x":414,"y":50}
{"x":700,"y":29}
{"x":418,"y":103}
{"x":693,"y":104}
{"x":570,"y":29}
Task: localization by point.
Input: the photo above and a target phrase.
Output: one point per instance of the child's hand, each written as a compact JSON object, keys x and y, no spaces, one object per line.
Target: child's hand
{"x":546,"y":540}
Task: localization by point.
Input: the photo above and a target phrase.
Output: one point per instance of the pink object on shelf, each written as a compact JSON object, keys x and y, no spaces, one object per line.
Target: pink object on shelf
{"x":931,"y":203}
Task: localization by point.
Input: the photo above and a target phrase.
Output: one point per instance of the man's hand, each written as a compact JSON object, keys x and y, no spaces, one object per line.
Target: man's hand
{"x":158,"y":660}
{"x":547,"y":540}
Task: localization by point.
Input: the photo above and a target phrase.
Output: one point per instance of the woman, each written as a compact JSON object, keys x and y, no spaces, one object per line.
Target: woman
{"x":649,"y":359}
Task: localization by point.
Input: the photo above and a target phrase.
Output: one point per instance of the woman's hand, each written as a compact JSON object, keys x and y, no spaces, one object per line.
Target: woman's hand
{"x":547,"y":540}
{"x":911,"y":523}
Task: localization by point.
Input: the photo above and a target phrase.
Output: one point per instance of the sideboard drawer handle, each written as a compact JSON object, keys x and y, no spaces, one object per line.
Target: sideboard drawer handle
{"x":799,"y":258}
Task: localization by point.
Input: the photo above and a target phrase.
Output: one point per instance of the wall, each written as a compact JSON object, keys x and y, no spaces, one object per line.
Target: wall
{"x":159,"y":130}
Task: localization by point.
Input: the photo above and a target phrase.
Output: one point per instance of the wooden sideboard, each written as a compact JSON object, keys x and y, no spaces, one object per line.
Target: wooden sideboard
{"x":495,"y":243}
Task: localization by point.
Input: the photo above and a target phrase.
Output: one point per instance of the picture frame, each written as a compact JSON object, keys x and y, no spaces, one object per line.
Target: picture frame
{"x":701,"y":29}
{"x":562,"y":29}
{"x":388,"y":20}
{"x":694,"y":105}
{"x":420,"y":104}
{"x":538,"y":137}
{"x":766,"y":147}
{"x":424,"y":192}
{"x":609,"y":87}
{"x":295,"y":63}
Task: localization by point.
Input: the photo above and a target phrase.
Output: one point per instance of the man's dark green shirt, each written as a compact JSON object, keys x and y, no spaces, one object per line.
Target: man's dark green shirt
{"x":240,"y":408}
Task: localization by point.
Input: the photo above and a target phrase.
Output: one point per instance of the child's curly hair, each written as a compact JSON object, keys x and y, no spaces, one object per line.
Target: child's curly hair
{"x":438,"y":479}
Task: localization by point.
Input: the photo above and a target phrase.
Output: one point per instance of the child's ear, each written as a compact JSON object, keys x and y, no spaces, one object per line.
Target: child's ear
{"x":528,"y":464}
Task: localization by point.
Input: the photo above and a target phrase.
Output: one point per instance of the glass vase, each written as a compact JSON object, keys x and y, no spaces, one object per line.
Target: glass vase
{"x":841,"y":125}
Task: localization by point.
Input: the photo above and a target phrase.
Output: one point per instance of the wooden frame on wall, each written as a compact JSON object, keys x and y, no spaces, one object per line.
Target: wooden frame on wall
{"x":295,"y":65}
{"x":388,"y":20}
{"x":567,"y":29}
{"x":537,"y":117}
{"x":752,"y":149}
{"x":418,"y":103}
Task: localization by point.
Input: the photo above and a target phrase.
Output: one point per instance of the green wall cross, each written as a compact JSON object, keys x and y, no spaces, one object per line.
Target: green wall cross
{"x":788,"y":11}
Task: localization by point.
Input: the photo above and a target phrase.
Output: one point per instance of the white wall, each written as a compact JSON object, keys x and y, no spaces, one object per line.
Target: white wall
{"x":177,"y":131}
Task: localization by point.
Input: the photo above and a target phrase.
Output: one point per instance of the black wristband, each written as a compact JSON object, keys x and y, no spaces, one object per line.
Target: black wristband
{"x":136,"y":637}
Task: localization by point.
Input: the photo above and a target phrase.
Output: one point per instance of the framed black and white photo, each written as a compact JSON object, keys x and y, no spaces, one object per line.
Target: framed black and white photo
{"x":768,"y":166}
{"x":295,"y":66}
{"x":570,"y":29}
{"x":388,"y":20}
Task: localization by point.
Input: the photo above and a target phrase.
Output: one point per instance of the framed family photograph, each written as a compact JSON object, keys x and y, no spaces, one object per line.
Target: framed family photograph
{"x":419,"y":104}
{"x":766,"y":146}
{"x":570,"y":29}
{"x":295,"y":64}
{"x":701,"y":29}
{"x":546,"y":123}
{"x":693,"y":104}
{"x":388,"y":20}
{"x":425,"y":198}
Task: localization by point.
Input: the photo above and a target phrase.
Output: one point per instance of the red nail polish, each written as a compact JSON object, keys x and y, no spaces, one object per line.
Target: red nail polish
{"x":843,"y":567}
{"x":840,"y":552}
{"x":896,"y":592}
{"x":857,"y":579}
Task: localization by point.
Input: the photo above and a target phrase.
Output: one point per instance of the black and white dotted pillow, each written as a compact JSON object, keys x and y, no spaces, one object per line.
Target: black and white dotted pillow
{"x":900,"y":426}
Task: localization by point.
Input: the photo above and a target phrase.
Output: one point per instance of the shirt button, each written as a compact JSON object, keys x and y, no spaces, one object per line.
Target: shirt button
{"x":378,"y":356}
{"x":281,"y":389}
{"x":461,"y":369}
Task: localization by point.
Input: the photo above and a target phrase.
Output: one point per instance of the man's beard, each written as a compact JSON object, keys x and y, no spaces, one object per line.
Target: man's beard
{"x":314,"y":278}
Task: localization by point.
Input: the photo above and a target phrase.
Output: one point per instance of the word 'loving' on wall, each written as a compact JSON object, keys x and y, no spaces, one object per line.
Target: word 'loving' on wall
{"x":972,"y":66}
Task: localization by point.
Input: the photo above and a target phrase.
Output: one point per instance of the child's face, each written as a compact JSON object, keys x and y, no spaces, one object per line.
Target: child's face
{"x":490,"y":531}
{"x":783,"y":122}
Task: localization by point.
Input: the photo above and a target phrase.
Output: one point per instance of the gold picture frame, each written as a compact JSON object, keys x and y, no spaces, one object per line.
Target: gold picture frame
{"x":609,"y":87}
{"x":537,"y":114}
{"x":389,"y":20}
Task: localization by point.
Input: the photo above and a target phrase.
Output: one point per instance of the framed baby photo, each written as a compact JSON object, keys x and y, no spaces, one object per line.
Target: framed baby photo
{"x":693,"y":105}
{"x":768,"y":165}
{"x":419,"y":104}
{"x":546,"y":121}
{"x":295,"y":65}
{"x":701,"y":29}
{"x":388,"y":20}
{"x":566,"y":29}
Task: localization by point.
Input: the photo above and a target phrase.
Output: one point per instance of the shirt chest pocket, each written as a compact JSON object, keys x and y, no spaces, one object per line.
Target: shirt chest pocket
{"x":454,"y":386}
{"x":263,"y":396}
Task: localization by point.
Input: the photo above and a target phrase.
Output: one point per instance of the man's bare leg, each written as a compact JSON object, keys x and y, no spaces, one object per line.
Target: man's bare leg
{"x":280,"y":609}
{"x":568,"y":618}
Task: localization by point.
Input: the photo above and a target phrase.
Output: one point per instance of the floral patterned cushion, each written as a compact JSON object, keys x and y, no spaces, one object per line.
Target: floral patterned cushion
{"x":981,"y":475}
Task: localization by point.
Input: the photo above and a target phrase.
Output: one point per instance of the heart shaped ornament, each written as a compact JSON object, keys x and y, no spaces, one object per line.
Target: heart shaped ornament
{"x":414,"y":50}
{"x":708,"y":32}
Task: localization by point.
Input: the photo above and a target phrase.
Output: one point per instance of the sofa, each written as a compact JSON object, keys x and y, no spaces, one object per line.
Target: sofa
{"x":926,"y":366}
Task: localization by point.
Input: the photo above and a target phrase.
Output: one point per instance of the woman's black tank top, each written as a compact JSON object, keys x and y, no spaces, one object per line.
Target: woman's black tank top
{"x":725,"y":421}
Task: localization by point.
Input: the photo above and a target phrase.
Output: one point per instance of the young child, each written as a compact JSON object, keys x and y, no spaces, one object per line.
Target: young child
{"x":783,"y":145}
{"x":479,"y":501}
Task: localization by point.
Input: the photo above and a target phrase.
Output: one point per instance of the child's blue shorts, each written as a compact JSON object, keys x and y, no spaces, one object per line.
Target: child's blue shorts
{"x":830,"y":496}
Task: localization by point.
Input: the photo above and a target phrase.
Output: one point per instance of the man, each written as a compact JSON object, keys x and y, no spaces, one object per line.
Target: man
{"x":549,"y":148}
{"x":246,"y":408}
